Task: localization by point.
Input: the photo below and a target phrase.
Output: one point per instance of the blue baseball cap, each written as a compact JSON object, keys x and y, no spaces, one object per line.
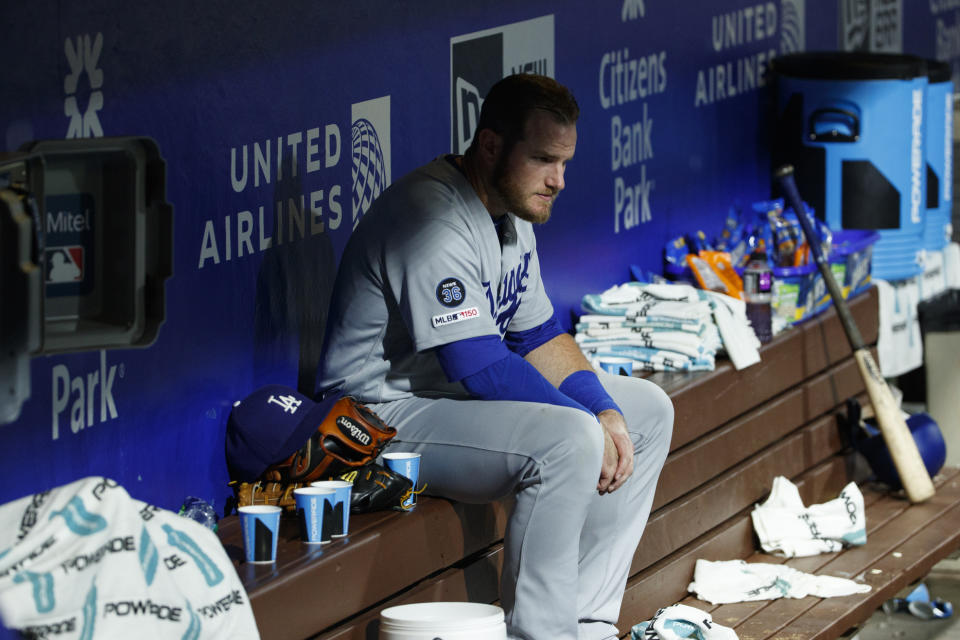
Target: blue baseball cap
{"x":268,"y":426}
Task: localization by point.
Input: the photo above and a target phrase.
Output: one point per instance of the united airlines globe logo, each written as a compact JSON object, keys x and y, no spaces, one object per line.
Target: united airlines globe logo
{"x":369,"y":171}
{"x":792,"y":32}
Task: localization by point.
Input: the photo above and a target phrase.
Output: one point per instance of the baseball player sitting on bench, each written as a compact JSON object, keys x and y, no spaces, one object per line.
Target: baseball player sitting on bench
{"x":440,"y":323}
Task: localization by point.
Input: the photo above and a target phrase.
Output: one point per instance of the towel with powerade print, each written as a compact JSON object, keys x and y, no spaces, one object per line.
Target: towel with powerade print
{"x":728,"y":581}
{"x":787,"y":528}
{"x":657,"y":319}
{"x":86,"y":560}
{"x":681,"y":622}
{"x":648,"y":359}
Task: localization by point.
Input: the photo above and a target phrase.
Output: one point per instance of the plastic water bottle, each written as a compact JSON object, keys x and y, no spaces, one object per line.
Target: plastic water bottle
{"x":758,"y":294}
{"x":199,"y":510}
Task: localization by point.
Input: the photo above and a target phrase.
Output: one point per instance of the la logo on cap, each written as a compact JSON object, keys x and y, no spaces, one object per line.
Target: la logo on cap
{"x":289,"y":403}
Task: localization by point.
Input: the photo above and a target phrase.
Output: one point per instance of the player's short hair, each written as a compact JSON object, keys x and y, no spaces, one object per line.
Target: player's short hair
{"x":511,"y":101}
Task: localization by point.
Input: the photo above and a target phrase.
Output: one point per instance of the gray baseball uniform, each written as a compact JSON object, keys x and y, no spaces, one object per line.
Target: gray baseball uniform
{"x":426,"y":267}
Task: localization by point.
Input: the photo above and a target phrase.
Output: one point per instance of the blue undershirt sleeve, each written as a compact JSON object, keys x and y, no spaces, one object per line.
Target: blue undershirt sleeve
{"x":465,"y":357}
{"x":585,"y":387}
{"x":490,"y":371}
{"x":523,"y":342}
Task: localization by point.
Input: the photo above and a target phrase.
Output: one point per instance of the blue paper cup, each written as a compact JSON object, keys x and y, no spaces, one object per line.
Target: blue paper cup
{"x":261,"y":525}
{"x":313,"y":506}
{"x":406,"y":464}
{"x":341,"y":504}
{"x":617,"y":365}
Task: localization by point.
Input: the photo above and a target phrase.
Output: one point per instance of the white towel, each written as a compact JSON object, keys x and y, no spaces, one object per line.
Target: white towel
{"x":635,"y":303}
{"x":686,"y":343}
{"x":951,"y":265}
{"x":629,"y":292}
{"x":615,"y":300}
{"x":738,"y":581}
{"x":679,"y":621}
{"x":88,"y":557}
{"x":590,"y":322}
{"x":647,"y":359}
{"x":933,"y":280}
{"x":899,"y":343}
{"x":739,"y":340}
{"x":785,"y":527}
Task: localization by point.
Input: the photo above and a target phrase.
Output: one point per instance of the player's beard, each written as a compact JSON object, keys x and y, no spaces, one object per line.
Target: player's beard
{"x":524,"y":204}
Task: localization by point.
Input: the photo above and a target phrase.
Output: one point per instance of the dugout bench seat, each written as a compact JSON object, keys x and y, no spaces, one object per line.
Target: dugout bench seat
{"x":734,"y":432}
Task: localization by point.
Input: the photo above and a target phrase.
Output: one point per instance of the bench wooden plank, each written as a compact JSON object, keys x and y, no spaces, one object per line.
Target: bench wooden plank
{"x":878,"y":513}
{"x":685,"y":519}
{"x":904,"y":542}
{"x":788,"y":359}
{"x":665,"y":581}
{"x":737,"y":612}
{"x":889,"y":521}
{"x":696,"y":463}
{"x":921,"y":534}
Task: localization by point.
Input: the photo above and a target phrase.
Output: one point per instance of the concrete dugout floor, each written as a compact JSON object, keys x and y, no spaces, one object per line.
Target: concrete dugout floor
{"x":943,"y":582}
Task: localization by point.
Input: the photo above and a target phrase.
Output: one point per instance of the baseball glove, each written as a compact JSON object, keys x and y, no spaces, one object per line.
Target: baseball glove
{"x":374,"y":488}
{"x":349,"y":437}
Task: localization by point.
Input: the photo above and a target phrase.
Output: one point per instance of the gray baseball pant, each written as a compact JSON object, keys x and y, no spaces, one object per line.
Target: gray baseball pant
{"x":567,"y":549}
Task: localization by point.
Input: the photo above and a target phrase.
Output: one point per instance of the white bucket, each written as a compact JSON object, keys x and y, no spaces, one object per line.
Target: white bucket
{"x":443,"y":621}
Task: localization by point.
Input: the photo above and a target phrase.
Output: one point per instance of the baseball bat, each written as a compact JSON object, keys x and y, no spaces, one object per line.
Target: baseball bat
{"x":900,"y":443}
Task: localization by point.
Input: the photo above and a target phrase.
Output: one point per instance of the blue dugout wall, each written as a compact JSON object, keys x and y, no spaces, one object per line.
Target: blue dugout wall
{"x":278,"y":123}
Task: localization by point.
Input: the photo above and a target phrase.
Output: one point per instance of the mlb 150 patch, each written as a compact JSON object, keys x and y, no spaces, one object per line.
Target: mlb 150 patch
{"x":455,"y":316}
{"x":451,"y":292}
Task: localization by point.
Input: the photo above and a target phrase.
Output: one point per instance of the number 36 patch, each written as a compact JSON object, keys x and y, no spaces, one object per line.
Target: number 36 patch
{"x":451,"y":292}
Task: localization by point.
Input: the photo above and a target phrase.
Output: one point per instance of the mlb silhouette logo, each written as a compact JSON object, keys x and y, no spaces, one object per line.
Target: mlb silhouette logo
{"x":65,"y":264}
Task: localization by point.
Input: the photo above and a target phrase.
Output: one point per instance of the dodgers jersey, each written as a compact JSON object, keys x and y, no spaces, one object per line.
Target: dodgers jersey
{"x":426,"y":266}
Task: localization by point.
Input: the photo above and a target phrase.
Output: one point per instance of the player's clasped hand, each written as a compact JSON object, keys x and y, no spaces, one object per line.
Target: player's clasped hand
{"x":617,"y":452}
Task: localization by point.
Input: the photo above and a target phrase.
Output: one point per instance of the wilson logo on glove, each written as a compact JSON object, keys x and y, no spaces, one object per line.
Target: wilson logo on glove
{"x":353,"y":430}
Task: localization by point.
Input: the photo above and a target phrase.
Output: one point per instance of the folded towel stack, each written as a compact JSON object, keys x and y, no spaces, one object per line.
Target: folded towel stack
{"x":666,"y":327}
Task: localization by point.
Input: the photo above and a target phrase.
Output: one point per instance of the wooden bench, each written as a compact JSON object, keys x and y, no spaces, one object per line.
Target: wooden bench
{"x":734,"y":432}
{"x":903,"y":543}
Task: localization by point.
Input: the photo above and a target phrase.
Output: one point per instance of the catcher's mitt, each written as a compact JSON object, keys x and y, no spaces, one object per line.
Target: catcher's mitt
{"x":374,"y":488}
{"x":349,"y":437}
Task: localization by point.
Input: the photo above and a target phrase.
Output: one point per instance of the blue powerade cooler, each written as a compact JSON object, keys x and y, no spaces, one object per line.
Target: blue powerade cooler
{"x":852,"y":125}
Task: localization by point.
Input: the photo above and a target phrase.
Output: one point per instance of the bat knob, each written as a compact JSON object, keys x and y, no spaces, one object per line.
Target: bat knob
{"x":783,"y":171}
